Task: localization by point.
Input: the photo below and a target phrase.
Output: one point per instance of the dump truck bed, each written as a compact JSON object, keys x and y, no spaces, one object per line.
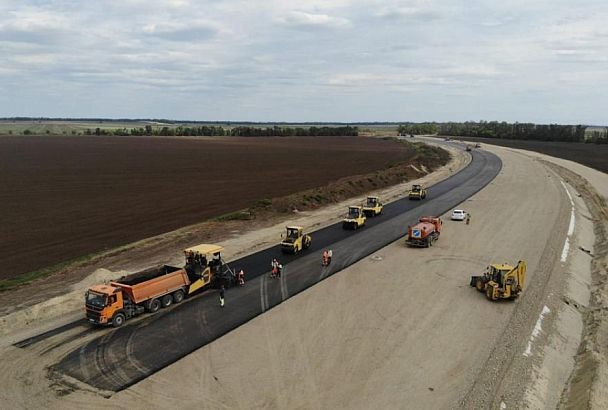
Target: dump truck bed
{"x":153,"y":282}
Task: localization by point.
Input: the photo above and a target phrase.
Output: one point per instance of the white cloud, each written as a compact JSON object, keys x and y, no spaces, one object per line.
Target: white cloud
{"x":303,"y":19}
{"x":417,"y":14}
{"x":314,"y":60}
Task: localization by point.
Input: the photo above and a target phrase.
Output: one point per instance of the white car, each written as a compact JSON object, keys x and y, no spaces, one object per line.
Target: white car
{"x":458,"y":215}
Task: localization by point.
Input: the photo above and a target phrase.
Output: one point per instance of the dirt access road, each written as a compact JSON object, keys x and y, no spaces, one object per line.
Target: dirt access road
{"x":66,"y":197}
{"x":399,"y":329}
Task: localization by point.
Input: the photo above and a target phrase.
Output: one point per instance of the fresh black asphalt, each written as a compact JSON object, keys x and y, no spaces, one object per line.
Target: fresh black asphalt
{"x":120,"y":358}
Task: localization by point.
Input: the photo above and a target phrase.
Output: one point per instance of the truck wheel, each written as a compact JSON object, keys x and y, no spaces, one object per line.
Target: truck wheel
{"x":118,"y":320}
{"x":166,"y":301}
{"x":153,"y":305}
{"x":178,"y":296}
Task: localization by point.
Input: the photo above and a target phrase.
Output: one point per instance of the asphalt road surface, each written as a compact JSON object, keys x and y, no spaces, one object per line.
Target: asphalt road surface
{"x":127,"y":355}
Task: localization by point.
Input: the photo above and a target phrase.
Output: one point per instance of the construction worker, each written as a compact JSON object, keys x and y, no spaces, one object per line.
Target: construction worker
{"x":274,"y":265}
{"x":325,"y":258}
{"x":330,"y":253}
{"x":222,"y":296}
{"x":279,"y":270}
{"x":468,"y":218}
{"x":241,"y":277}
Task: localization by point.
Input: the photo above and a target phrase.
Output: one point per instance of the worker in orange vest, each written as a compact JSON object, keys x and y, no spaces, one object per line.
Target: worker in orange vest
{"x":325,"y":258}
{"x":274,"y":264}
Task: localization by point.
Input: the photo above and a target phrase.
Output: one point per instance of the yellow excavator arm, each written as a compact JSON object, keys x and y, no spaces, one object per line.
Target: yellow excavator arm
{"x":519,"y":273}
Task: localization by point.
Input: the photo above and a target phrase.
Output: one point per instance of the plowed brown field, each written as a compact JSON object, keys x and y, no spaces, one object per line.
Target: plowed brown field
{"x":63,"y":197}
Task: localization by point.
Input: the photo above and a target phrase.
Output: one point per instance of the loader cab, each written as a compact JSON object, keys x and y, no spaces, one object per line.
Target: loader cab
{"x":498,"y":272}
{"x":372,"y":201}
{"x":416,"y":188}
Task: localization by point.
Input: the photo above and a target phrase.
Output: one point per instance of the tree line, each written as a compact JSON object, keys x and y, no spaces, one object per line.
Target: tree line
{"x":500,"y":130}
{"x":275,"y":131}
{"x":597,"y":136}
{"x":423,"y":128}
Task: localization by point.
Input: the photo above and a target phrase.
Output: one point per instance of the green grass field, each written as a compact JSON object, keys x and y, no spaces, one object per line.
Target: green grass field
{"x":58,"y":127}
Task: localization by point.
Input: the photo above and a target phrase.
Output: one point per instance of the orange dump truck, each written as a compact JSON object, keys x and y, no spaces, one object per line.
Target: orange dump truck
{"x":148,"y":290}
{"x":425,"y":232}
{"x":151,"y":289}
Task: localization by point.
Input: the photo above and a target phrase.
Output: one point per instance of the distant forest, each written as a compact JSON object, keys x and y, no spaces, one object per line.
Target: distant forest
{"x":164,"y":127}
{"x":504,"y":130}
{"x":275,"y":131}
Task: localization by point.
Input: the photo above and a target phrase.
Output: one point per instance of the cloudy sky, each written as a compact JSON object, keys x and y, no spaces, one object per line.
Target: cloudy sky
{"x":320,"y":60}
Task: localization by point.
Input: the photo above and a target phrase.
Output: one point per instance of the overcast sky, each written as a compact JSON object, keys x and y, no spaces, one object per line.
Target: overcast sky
{"x":321,"y":60}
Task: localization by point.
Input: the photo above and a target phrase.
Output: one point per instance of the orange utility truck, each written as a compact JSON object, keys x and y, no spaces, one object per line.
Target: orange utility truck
{"x":425,"y":232}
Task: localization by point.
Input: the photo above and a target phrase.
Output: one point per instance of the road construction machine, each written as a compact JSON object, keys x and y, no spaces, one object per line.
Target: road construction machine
{"x":157,"y":287}
{"x":355,"y":218}
{"x":372,"y":206}
{"x":295,"y":240}
{"x":501,"y":281}
{"x":417,"y":192}
{"x":425,"y":232}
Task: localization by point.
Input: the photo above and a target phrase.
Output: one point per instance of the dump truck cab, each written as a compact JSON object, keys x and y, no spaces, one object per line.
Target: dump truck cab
{"x":102,"y":302}
{"x":501,"y":281}
{"x":295,"y":240}
{"x":355,"y":218}
{"x":109,"y":305}
{"x":417,"y":192}
{"x":373,"y":206}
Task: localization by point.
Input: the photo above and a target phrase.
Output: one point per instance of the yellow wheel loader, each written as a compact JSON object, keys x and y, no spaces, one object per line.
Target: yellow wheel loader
{"x":295,"y":240}
{"x":501,"y":281}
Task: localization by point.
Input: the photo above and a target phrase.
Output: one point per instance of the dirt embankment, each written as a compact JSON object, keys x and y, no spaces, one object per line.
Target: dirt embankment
{"x":588,"y":384}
